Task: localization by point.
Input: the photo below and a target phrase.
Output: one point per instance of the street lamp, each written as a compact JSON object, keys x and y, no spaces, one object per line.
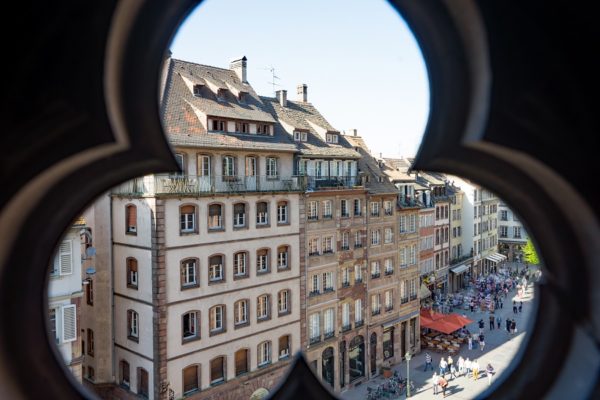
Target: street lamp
{"x":408,"y":357}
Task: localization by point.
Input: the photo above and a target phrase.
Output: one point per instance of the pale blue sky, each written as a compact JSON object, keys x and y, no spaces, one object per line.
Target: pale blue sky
{"x":360,"y":61}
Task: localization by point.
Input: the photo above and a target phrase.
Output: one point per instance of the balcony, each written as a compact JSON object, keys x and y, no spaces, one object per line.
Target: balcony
{"x":314,"y":340}
{"x":389,"y":308}
{"x":375,"y":275}
{"x":311,"y":182}
{"x":358,"y":245}
{"x":314,"y":293}
{"x":374,"y":214}
{"x":345,"y":284}
{"x":413,"y":297}
{"x":345,"y":247}
{"x":389,"y":272}
{"x":376,"y":312}
{"x":389,"y":212}
{"x":165,"y":184}
{"x":359,"y":323}
{"x":404,"y":300}
{"x":328,"y":335}
{"x":346,"y":328}
{"x":328,"y":289}
{"x":357,"y":280}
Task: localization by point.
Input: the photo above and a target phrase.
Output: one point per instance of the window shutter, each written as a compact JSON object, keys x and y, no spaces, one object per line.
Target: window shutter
{"x":66,"y":264}
{"x":241,"y":361}
{"x":190,"y":378}
{"x":128,"y":322}
{"x":216,"y":369}
{"x":69,"y":323}
{"x":131,"y":216}
{"x":182,"y":269}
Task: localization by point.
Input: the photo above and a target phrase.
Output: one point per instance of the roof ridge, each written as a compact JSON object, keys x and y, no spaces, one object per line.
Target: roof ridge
{"x":201,"y":65}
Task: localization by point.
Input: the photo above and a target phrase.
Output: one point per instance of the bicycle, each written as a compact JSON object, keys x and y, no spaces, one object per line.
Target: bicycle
{"x":403,"y":385}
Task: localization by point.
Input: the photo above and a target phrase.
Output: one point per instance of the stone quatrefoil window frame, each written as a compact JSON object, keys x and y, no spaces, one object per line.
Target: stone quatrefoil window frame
{"x":490,"y":65}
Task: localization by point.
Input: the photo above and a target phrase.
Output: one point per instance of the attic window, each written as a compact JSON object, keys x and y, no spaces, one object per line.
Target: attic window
{"x":242,"y":127}
{"x":332,"y":138}
{"x":219,"y":125}
{"x":242,"y":97}
{"x":197,"y":89}
{"x":263,"y":129}
{"x":221,"y":95}
{"x":300,"y":136}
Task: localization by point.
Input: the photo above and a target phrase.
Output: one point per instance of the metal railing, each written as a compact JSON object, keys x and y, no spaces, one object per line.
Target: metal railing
{"x":346,"y":328}
{"x":160,"y":184}
{"x":376,"y":312}
{"x":328,"y":335}
{"x":359,"y":323}
{"x":315,"y":339}
{"x":311,"y":182}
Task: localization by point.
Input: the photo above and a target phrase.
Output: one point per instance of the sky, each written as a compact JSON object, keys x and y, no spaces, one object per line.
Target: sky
{"x":362,"y":65}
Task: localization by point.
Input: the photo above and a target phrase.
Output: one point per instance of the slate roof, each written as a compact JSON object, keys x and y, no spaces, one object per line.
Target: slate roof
{"x":397,"y":169}
{"x":304,"y":116}
{"x":378,"y":181}
{"x":184,"y":114}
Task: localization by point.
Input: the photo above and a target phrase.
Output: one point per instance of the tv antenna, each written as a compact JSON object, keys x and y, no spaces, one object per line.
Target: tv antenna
{"x":273,"y":77}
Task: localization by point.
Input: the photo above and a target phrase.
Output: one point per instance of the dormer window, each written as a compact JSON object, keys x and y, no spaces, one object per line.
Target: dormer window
{"x":242,"y":127}
{"x":242,"y":97}
{"x":219,"y":125}
{"x":300,"y":136}
{"x":263,"y":129}
{"x":332,"y":138}
{"x":221,"y":95}
{"x":197,"y":90}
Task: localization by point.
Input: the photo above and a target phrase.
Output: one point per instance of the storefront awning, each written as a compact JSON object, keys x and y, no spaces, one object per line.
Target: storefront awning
{"x":424,"y":292}
{"x":496,"y":257}
{"x":460,"y":269}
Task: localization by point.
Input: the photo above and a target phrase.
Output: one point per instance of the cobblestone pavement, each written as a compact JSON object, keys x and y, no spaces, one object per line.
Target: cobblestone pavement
{"x":500,"y":348}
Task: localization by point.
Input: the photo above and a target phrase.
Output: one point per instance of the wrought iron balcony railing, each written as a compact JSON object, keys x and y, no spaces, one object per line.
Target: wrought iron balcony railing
{"x":311,"y":182}
{"x":161,"y":184}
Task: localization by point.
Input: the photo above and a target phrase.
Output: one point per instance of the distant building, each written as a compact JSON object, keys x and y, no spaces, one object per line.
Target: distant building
{"x":512,"y":236}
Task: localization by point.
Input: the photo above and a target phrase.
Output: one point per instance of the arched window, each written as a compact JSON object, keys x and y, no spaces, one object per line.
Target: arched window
{"x":216,"y":272}
{"x":190,"y":325}
{"x":132,"y":273}
{"x":263,"y":307}
{"x":215,"y":216}
{"x":327,"y":365}
{"x":283,"y":257}
{"x":239,"y":215}
{"x":217,"y":319}
{"x":189,"y":273}
{"x":262,"y":213}
{"x":284,"y":346}
{"x":229,"y":170}
{"x":187,"y":219}
{"x":217,"y":370}
{"x":241,"y":362}
{"x":240,"y":265}
{"x":124,"y":373}
{"x":262,"y":261}
{"x":131,"y":219}
{"x":283,"y":302}
{"x":191,"y":379}
{"x":282,"y":212}
{"x":264,"y":353}
{"x":240,"y":310}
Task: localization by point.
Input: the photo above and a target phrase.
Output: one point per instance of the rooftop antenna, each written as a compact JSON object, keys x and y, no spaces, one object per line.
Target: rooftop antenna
{"x":273,"y":77}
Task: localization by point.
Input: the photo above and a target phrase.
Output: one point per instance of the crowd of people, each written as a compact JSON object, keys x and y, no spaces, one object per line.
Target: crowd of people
{"x":464,"y":368}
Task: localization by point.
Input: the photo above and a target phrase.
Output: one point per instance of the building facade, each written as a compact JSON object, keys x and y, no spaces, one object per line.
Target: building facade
{"x":512,"y":236}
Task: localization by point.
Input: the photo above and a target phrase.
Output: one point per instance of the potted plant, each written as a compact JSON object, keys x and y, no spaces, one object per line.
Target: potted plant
{"x":386,"y":370}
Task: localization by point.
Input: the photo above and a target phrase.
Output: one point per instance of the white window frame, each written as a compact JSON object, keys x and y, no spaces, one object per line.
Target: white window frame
{"x":240,"y":264}
{"x":187,"y":275}
{"x":241,"y":312}
{"x":282,"y":258}
{"x":193,"y":316}
{"x":283,"y":301}
{"x":272,"y":167}
{"x":327,"y":209}
{"x":388,"y":236}
{"x":282,"y":212}
{"x":262,"y":307}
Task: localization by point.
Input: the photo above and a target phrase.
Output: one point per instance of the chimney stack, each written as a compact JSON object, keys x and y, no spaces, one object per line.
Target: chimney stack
{"x":282,"y":97}
{"x":351,"y":132}
{"x":239,"y":67}
{"x":302,"y":92}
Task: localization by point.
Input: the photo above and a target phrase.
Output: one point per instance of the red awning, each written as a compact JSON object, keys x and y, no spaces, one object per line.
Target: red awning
{"x":458,"y":319}
{"x":443,"y":326}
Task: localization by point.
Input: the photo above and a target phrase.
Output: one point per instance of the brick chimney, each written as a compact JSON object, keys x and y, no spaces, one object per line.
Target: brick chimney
{"x":282,"y":97}
{"x":239,"y":67}
{"x":302,"y":92}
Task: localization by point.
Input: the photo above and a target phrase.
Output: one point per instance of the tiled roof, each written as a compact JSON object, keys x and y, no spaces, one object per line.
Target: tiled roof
{"x":184,"y":115}
{"x":397,"y":169}
{"x":378,"y":181}
{"x":304,"y":116}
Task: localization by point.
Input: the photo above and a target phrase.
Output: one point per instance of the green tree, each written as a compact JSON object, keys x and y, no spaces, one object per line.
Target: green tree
{"x":531,"y":255}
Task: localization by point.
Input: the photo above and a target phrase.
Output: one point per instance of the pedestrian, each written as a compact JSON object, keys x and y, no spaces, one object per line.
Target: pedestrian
{"x":468,"y":365}
{"x":461,"y":366}
{"x":481,"y":342}
{"x":443,"y":366}
{"x":520,"y":307}
{"x":470,"y":339}
{"x":501,"y":304}
{"x":443,"y":384}
{"x":489,"y":371}
{"x":508,"y":325}
{"x":472,"y":305}
{"x":498,"y":321}
{"x":481,"y":325}
{"x":452,"y":371}
{"x":514,"y":326}
{"x":428,"y":361}
{"x":435,"y":383}
{"x":475,"y":368}
{"x":451,"y":366}
{"x":492,"y":319}
{"x":514,"y":307}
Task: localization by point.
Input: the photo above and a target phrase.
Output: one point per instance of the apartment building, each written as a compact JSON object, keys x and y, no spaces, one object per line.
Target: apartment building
{"x":65,"y":293}
{"x":460,"y":260}
{"x":512,"y":236}
{"x":206,"y":261}
{"x":485,"y":232}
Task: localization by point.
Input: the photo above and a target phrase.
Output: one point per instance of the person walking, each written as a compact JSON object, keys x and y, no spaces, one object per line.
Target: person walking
{"x":468,"y":365}
{"x":443,"y":384}
{"x":428,"y":362}
{"x":481,"y":325}
{"x":492,"y":320}
{"x":475,"y":368}
{"x":513,"y":327}
{"x":451,"y":366}
{"x":470,"y":340}
{"x":481,"y":342}
{"x":489,"y":371}
{"x":501,"y":304}
{"x":443,"y":366}
{"x":520,"y":307}
{"x":436,"y":384}
{"x":508,"y":325}
{"x":514,"y":307}
{"x":498,"y":321}
{"x":461,"y":366}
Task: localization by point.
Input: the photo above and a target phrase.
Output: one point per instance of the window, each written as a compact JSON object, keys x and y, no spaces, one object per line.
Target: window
{"x":412,"y":222}
{"x":389,"y":300}
{"x":357,"y":273}
{"x":313,"y":247}
{"x":503,"y":231}
{"x":358,"y":312}
{"x":344,"y":209}
{"x":215,"y":216}
{"x":52,"y":319}
{"x":217,"y":319}
{"x":63,"y":263}
{"x":328,"y":323}
{"x":263,"y":129}
{"x":328,"y":244}
{"x":297,"y":136}
{"x":124,"y":368}
{"x":143,"y":383}
{"x":375,"y":237}
{"x":217,"y":370}
{"x":241,"y":362}
{"x":412,"y":258}
{"x":203,"y":165}
{"x":313,"y":210}
{"x":228,"y":166}
{"x":375,"y":269}
{"x":240,"y":309}
{"x":346,"y":277}
{"x":197,"y":90}
{"x":282,"y":257}
{"x":284,"y":346}
{"x":375,"y":304}
{"x":374,"y":209}
{"x":314,"y":328}
{"x":91,"y":373}
{"x":389,"y":266}
{"x":239,"y":215}
{"x":215,"y":268}
{"x":262,"y":261}
{"x":357,"y":208}
{"x":239,"y":264}
{"x":388,"y":235}
{"x":190,"y":325}
{"x":272,"y":170}
{"x":219,"y":125}
{"x":328,"y":281}
{"x":263,"y":307}
{"x":180,"y":159}
{"x":189,"y":273}
{"x":345,"y":316}
{"x":283,"y":302}
{"x":331,"y":138}
{"x":262,"y":213}
{"x":264,"y":353}
{"x":388,"y":208}
{"x":314,"y":282}
{"x":358,"y":240}
{"x":282,"y":212}
{"x":89,"y":292}
{"x":187,"y":219}
{"x":327,"y":210}
{"x":131,"y":273}
{"x":402,"y":223}
{"x":242,"y":127}
{"x":132,"y":325}
{"x":251,"y":166}
{"x":131,"y":219}
{"x":90,"y":342}
{"x":516,"y":231}
{"x":319,"y":169}
{"x":191,"y":381}
{"x":345,"y":240}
